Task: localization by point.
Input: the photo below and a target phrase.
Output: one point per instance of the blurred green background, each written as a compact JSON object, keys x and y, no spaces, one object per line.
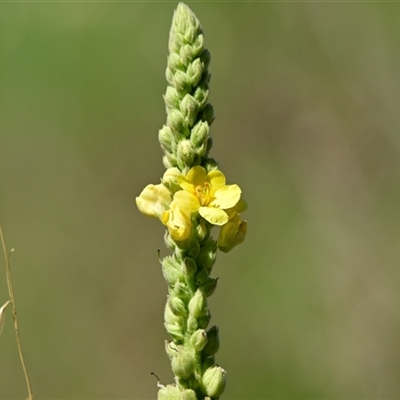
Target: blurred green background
{"x":306,"y":98}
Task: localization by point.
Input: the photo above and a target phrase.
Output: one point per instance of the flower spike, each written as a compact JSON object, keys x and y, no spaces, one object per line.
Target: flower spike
{"x":191,"y":199}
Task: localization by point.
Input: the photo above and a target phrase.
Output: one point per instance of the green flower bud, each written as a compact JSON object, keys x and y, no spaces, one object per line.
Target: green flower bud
{"x":207,"y":114}
{"x":208,"y":255}
{"x":170,"y":317}
{"x":175,"y":331}
{"x":189,"y":394}
{"x":191,"y":324}
{"x":170,"y":179}
{"x":199,"y":340}
{"x":166,"y":138}
{"x":213,"y":381}
{"x":183,"y":363}
{"x":200,"y":133}
{"x":170,"y":349}
{"x":181,"y":82}
{"x":209,"y":286}
{"x":203,"y":322}
{"x":212,"y":345}
{"x":189,"y":267}
{"x":232,"y":234}
{"x":174,"y":62}
{"x":201,"y":93}
{"x":169,"y":160}
{"x":177,"y":306}
{"x":202,"y":230}
{"x":186,"y":154}
{"x":170,"y":270}
{"x":189,"y":108}
{"x":194,"y":72}
{"x":169,"y":392}
{"x":180,"y":290}
{"x":205,"y":58}
{"x":198,"y":305}
{"x":186,"y":54}
{"x":172,"y":98}
{"x":175,"y":120}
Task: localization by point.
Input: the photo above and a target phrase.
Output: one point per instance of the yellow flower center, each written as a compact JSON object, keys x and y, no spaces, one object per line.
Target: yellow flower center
{"x":203,"y":193}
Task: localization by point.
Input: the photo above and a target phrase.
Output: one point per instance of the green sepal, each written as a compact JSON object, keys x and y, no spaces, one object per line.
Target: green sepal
{"x":212,"y":345}
{"x":213,"y":381}
{"x":199,"y":339}
{"x":183,"y":363}
{"x":198,"y":305}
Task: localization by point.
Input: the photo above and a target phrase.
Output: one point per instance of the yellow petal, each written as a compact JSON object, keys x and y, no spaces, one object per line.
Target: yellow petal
{"x":154,"y":200}
{"x":213,"y":215}
{"x":226,"y":197}
{"x":195,"y":177}
{"x":179,"y":225}
{"x":232,"y":234}
{"x":186,"y":201}
{"x":216,"y":179}
{"x":240,"y":206}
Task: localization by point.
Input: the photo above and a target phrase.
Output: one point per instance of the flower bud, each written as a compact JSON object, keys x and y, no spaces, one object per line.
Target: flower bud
{"x":174,"y":61}
{"x":194,"y":72}
{"x":202,"y":230}
{"x":169,"y":392}
{"x":170,"y":271}
{"x":209,"y":286}
{"x":201,"y":92}
{"x":212,"y":345}
{"x":169,"y":160}
{"x":170,"y":317}
{"x":177,"y":306}
{"x":186,"y":54}
{"x":203,"y":322}
{"x":181,"y":82}
{"x":175,"y":121}
{"x":189,"y":266}
{"x":199,"y":340}
{"x":198,"y":305}
{"x":183,"y":363}
{"x":189,"y":108}
{"x":191,"y":324}
{"x":175,"y":331}
{"x":170,"y":349}
{"x":166,"y":138}
{"x":213,"y":381}
{"x":200,"y":133}
{"x":208,"y":255}
{"x":207,"y":114}
{"x":232,"y":234}
{"x":189,"y":394}
{"x":185,"y":154}
{"x":205,"y":58}
{"x":170,"y":179}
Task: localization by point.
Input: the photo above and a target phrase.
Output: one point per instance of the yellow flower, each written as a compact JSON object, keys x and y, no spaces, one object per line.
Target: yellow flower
{"x":154,"y":200}
{"x":178,"y":222}
{"x":234,"y":231}
{"x":207,"y":194}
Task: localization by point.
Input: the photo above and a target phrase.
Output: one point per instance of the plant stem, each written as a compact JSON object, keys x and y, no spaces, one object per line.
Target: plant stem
{"x":14,"y":313}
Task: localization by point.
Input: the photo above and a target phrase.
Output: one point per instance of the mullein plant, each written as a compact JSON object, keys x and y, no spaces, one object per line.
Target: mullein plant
{"x":191,"y":199}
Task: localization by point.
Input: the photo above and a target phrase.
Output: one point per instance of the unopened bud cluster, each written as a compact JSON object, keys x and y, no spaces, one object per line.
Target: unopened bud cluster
{"x":185,"y":138}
